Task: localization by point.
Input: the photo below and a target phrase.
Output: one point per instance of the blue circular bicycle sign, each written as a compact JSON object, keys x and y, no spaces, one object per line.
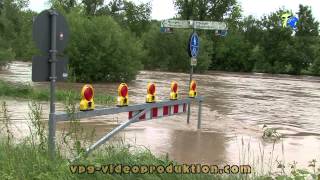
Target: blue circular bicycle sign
{"x":194,"y":45}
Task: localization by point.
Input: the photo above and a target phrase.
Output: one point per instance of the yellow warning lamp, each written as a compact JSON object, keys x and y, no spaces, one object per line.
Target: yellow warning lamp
{"x":151,"y":90}
{"x":193,"y":89}
{"x":123,"y":97}
{"x":174,"y":91}
{"x":87,"y":95}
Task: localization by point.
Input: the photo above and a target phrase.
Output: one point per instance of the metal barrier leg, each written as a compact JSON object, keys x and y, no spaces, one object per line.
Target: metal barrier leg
{"x":189,"y":111}
{"x":113,"y":132}
{"x":199,"y":114}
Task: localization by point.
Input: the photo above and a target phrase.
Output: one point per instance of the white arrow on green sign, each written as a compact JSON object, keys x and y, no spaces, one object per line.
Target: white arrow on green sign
{"x":175,"y":23}
{"x":210,"y":25}
{"x":205,"y":25}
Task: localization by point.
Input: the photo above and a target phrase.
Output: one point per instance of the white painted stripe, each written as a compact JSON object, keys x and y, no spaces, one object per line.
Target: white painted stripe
{"x":148,"y":115}
{"x":180,"y":108}
{"x":160,"y":112}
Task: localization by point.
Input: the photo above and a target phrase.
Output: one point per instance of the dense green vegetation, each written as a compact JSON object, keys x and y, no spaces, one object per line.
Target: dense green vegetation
{"x":113,"y":40}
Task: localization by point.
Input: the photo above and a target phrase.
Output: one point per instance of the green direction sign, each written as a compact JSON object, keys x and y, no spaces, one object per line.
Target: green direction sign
{"x":171,"y":23}
{"x":190,"y":24}
{"x":210,"y":25}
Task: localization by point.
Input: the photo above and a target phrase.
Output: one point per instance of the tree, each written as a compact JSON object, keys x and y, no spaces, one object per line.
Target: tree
{"x":306,"y":37}
{"x":131,"y":16}
{"x":92,"y":6}
{"x":232,"y":54}
{"x":108,"y":54}
{"x":307,"y":25}
{"x":137,"y":17}
{"x":15,"y":30}
{"x":67,"y":5}
{"x":252,"y":30}
{"x":205,"y":9}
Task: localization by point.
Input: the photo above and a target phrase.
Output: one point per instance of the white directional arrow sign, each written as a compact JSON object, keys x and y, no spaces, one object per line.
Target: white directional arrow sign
{"x":210,"y":25}
{"x":175,"y":23}
{"x":190,"y":24}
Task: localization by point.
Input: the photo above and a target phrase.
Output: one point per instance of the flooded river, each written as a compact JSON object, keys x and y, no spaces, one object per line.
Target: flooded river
{"x":235,"y":108}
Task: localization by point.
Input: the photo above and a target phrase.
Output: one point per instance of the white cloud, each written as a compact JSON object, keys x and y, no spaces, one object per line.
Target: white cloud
{"x":163,"y":9}
{"x":38,"y":5}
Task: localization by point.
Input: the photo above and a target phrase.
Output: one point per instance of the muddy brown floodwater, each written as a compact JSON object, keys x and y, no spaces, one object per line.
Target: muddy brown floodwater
{"x":235,"y":108}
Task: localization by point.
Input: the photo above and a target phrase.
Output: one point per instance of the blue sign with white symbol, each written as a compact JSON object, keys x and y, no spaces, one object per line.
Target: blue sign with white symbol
{"x":194,"y":45}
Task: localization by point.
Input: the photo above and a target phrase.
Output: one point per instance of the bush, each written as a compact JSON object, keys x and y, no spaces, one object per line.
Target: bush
{"x":100,"y":50}
{"x":315,"y":67}
{"x":5,"y":56}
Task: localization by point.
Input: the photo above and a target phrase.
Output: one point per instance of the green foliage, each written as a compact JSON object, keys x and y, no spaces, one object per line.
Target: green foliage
{"x":108,"y":54}
{"x":307,"y":25}
{"x":15,"y":31}
{"x":232,"y":54}
{"x":265,"y":46}
{"x":30,"y":93}
{"x":6,"y":55}
{"x":205,"y":9}
{"x":131,"y":16}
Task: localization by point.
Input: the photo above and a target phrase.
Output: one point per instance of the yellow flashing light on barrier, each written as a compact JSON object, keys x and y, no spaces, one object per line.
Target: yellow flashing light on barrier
{"x":174,"y":91}
{"x":193,"y":89}
{"x":123,"y":97}
{"x":87,"y":95}
{"x":151,"y":90}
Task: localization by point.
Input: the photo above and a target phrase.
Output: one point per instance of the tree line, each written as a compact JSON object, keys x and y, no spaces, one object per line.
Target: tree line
{"x":111,"y":40}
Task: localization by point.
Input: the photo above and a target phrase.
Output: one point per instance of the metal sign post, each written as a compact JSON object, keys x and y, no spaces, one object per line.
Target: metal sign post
{"x":194,"y":39}
{"x":193,"y":51}
{"x":53,"y":60}
{"x":50,"y":32}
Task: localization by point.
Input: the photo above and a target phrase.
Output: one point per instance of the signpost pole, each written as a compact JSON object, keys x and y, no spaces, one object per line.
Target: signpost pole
{"x":191,"y":73}
{"x":53,"y":60}
{"x":188,"y":24}
{"x":199,"y":114}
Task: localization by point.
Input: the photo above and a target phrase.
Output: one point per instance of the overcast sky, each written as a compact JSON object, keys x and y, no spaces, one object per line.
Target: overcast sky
{"x":164,"y":9}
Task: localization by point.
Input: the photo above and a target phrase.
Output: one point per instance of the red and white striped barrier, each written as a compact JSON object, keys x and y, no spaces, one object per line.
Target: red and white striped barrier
{"x":159,"y":112}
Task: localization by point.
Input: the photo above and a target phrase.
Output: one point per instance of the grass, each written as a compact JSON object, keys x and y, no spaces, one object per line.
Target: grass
{"x":30,"y":93}
{"x":22,"y":161}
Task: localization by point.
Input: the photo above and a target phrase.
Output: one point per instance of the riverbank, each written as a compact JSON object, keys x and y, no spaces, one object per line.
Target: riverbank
{"x":30,"y":93}
{"x":27,"y":160}
{"x":23,"y":161}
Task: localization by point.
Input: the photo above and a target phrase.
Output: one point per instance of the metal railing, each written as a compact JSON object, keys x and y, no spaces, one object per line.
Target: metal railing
{"x":143,"y":108}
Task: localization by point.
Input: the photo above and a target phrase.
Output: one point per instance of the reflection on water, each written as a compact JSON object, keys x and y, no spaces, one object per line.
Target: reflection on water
{"x":235,"y":107}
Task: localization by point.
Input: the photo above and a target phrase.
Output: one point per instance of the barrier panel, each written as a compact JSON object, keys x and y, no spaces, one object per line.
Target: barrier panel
{"x":136,"y":113}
